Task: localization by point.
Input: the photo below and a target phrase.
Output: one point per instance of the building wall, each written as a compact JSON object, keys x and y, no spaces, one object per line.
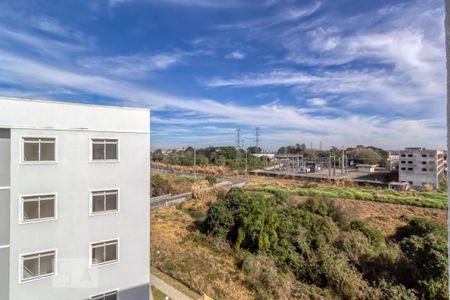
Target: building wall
{"x":72,"y":178}
{"x":4,"y":212}
{"x":417,"y":176}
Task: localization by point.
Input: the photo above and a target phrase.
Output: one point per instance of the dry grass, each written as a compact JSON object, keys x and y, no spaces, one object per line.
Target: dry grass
{"x":197,"y":265}
{"x":385,"y":216}
{"x":207,"y":170}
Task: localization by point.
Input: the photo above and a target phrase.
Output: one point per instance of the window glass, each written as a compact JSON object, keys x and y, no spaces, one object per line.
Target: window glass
{"x":111,"y":201}
{"x":111,"y":151}
{"x":47,"y":209}
{"x":30,"y":267}
{"x":30,"y":210}
{"x":38,"y":207}
{"x":111,"y":252}
{"x":46,"y":265}
{"x":98,"y":151}
{"x":37,"y":265}
{"x":106,"y":296}
{"x":111,"y":296}
{"x":104,"y":252}
{"x":104,"y":201}
{"x":31,"y":151}
{"x":105,"y":149}
{"x":47,"y":152}
{"x":98,"y":255}
{"x":98,"y":203}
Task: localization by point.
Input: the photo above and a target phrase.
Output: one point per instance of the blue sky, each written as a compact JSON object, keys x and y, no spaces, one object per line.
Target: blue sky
{"x":336,"y":72}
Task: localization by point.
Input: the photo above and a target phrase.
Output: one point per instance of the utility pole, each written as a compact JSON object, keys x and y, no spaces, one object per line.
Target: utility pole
{"x":257,"y":139}
{"x":246,"y":160}
{"x":342,"y":161}
{"x":238,"y":145}
{"x":195,"y":166}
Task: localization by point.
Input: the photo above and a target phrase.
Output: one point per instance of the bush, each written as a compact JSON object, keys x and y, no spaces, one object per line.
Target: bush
{"x":279,"y":239}
{"x":375,"y":237}
{"x":391,"y":291}
{"x":159,"y":185}
{"x":211,"y":179}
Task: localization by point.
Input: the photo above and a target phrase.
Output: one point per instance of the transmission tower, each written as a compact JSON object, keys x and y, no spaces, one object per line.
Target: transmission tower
{"x":257,"y":140}
{"x":238,"y":144}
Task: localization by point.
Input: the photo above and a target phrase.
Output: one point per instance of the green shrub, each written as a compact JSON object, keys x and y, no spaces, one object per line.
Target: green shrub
{"x":375,"y":237}
{"x":211,"y":179}
{"x":391,"y":291}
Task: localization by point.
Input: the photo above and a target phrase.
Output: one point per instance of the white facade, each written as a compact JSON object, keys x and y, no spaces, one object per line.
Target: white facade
{"x":71,"y":178}
{"x":419,"y":166}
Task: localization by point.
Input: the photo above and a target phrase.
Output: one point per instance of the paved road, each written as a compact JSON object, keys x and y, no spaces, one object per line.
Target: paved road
{"x":167,"y":289}
{"x":162,"y":201}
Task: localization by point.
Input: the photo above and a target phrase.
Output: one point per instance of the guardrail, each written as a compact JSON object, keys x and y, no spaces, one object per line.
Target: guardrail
{"x":168,"y":199}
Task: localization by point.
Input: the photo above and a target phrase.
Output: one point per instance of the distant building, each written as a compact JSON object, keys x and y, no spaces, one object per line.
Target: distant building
{"x":270,"y":156}
{"x":420,"y":166}
{"x":366,"y":168}
{"x":393,"y":159}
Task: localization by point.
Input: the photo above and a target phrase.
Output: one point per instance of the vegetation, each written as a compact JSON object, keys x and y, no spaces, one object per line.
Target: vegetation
{"x":432,"y":199}
{"x":162,"y":184}
{"x":288,"y":250}
{"x":217,"y":156}
{"x":358,"y":155}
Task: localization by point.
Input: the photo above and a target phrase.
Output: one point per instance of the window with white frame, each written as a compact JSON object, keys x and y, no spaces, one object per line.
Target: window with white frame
{"x":38,"y":265}
{"x":105,"y":149}
{"x":104,"y":201}
{"x":38,"y":208}
{"x":106,"y":296}
{"x":104,"y":252}
{"x":36,"y":149}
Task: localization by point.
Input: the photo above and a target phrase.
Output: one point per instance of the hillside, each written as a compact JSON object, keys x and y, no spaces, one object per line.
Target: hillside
{"x":196,"y":252}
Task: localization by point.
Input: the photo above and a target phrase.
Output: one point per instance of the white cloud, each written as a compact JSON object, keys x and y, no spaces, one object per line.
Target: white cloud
{"x":278,"y":77}
{"x":50,"y":25}
{"x":236,"y":55}
{"x":132,"y":65}
{"x":317,"y":102}
{"x":288,"y":14}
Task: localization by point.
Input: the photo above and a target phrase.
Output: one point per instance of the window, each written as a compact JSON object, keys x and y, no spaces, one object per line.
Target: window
{"x":431,"y":170}
{"x":403,"y":162}
{"x":410,"y":169}
{"x":403,"y":168}
{"x":104,"y":252}
{"x":38,"y":208}
{"x":410,"y":162}
{"x":424,"y":169}
{"x":403,"y":155}
{"x":38,"y":265}
{"x":106,"y":296}
{"x":105,"y":149}
{"x":424,"y":155}
{"x":424,"y":163}
{"x":38,"y":149}
{"x":104,"y":201}
{"x":410,"y":155}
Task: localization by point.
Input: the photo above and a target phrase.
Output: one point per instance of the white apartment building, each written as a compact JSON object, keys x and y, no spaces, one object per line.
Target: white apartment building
{"x":420,"y":166}
{"x":74,"y":201}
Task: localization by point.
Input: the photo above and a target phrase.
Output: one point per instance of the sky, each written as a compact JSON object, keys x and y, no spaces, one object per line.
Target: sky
{"x":330,"y":73}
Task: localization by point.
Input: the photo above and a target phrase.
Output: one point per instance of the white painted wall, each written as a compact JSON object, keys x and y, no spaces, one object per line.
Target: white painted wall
{"x":71,"y":178}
